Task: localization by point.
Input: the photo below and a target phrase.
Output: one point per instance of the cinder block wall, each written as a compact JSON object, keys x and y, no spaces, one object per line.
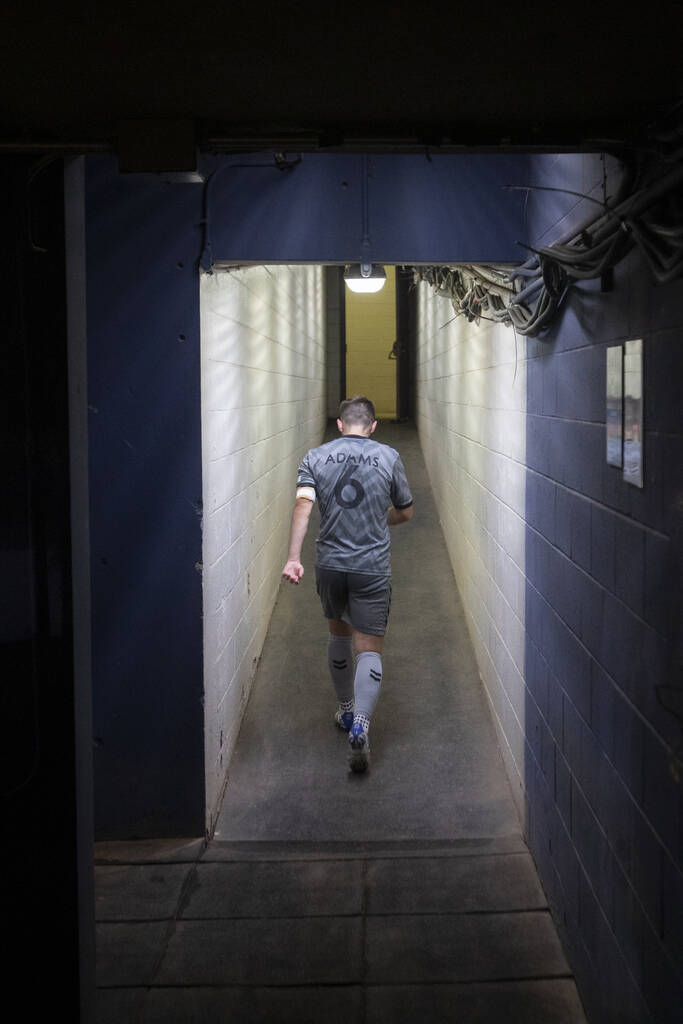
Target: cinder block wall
{"x":263,"y":406}
{"x":571,"y":584}
{"x":471,"y":394}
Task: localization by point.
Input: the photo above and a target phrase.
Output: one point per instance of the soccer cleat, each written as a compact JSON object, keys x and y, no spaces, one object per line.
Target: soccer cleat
{"x":343,"y":719}
{"x":359,"y":749}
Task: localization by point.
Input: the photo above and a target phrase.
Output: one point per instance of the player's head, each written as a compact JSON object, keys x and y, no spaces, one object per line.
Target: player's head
{"x":357,"y":413}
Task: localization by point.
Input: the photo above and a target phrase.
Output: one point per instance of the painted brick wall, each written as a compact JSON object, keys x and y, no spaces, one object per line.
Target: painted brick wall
{"x":470,"y":411}
{"x":263,"y":406}
{"x":571,"y":583}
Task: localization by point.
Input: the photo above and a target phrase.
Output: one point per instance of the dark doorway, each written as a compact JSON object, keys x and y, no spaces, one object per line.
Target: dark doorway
{"x":406,"y":311}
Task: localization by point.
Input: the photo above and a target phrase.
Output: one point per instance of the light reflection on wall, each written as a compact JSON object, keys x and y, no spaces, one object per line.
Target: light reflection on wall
{"x":263,"y":406}
{"x":471,"y":403}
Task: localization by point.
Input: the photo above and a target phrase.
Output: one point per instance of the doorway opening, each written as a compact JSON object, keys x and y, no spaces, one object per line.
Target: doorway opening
{"x":371,"y":345}
{"x":379,"y":345}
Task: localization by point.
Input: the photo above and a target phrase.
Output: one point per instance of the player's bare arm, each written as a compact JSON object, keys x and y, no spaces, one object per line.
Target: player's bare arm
{"x":293,"y":569}
{"x":399,"y":515}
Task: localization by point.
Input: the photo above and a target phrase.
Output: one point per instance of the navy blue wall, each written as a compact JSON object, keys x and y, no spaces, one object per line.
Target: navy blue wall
{"x":145,"y":482}
{"x":419,"y":210}
{"x":603,"y":617}
{"x":144,"y":240}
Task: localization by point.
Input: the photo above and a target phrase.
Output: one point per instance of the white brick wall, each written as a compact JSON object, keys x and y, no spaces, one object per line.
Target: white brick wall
{"x":471,"y":399}
{"x":263,"y":406}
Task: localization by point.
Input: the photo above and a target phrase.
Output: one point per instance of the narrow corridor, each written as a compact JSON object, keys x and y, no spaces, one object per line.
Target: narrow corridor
{"x":436,"y":772}
{"x":401,"y":895}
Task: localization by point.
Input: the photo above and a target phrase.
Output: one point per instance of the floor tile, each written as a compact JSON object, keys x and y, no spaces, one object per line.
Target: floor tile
{"x":138,"y":892}
{"x":462,"y":947}
{"x":310,"y":1005}
{"x":127,"y":954}
{"x":531,"y":1002}
{"x":450,"y":884}
{"x":260,"y":952}
{"x":119,"y":1005}
{"x":291,"y":889}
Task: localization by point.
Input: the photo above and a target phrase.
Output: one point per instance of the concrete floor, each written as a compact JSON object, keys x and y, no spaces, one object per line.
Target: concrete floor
{"x":404,"y":894}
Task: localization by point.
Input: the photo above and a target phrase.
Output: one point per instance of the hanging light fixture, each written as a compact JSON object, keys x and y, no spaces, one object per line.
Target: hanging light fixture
{"x":363,"y":277}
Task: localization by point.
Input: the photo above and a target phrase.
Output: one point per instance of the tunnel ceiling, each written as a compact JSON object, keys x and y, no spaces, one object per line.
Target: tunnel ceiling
{"x":308,"y":75}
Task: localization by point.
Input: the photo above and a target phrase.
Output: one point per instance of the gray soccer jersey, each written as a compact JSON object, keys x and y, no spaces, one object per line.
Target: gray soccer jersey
{"x":355,"y":480}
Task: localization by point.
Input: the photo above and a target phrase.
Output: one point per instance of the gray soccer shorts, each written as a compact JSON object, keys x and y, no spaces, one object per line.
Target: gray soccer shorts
{"x":361,"y":599}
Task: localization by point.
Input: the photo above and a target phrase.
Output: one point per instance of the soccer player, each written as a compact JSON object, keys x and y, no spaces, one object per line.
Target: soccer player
{"x":361,"y":490}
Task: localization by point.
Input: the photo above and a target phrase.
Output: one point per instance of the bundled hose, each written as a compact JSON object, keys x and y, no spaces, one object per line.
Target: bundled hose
{"x":647,"y":215}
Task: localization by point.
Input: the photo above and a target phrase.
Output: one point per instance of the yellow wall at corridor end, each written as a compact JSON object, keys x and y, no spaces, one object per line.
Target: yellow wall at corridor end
{"x":370,"y":335}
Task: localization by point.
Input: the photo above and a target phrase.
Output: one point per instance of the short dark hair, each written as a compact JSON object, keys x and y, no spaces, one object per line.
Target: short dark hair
{"x":358,"y":410}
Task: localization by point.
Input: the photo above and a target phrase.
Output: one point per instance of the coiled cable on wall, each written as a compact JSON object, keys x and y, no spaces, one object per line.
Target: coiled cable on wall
{"x":647,"y":214}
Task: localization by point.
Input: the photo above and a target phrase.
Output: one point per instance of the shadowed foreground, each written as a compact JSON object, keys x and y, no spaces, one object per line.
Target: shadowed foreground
{"x":404,"y":894}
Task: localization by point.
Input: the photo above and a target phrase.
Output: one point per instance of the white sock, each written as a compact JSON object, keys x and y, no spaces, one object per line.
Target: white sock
{"x":367,"y":685}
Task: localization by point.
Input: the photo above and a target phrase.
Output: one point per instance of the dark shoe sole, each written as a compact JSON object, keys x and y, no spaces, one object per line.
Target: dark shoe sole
{"x":359,"y":756}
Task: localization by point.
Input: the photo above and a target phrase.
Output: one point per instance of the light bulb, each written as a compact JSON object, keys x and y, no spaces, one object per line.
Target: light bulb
{"x":364,"y":278}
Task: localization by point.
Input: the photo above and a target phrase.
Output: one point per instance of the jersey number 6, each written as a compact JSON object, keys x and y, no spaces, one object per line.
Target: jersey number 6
{"x":347,"y":480}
